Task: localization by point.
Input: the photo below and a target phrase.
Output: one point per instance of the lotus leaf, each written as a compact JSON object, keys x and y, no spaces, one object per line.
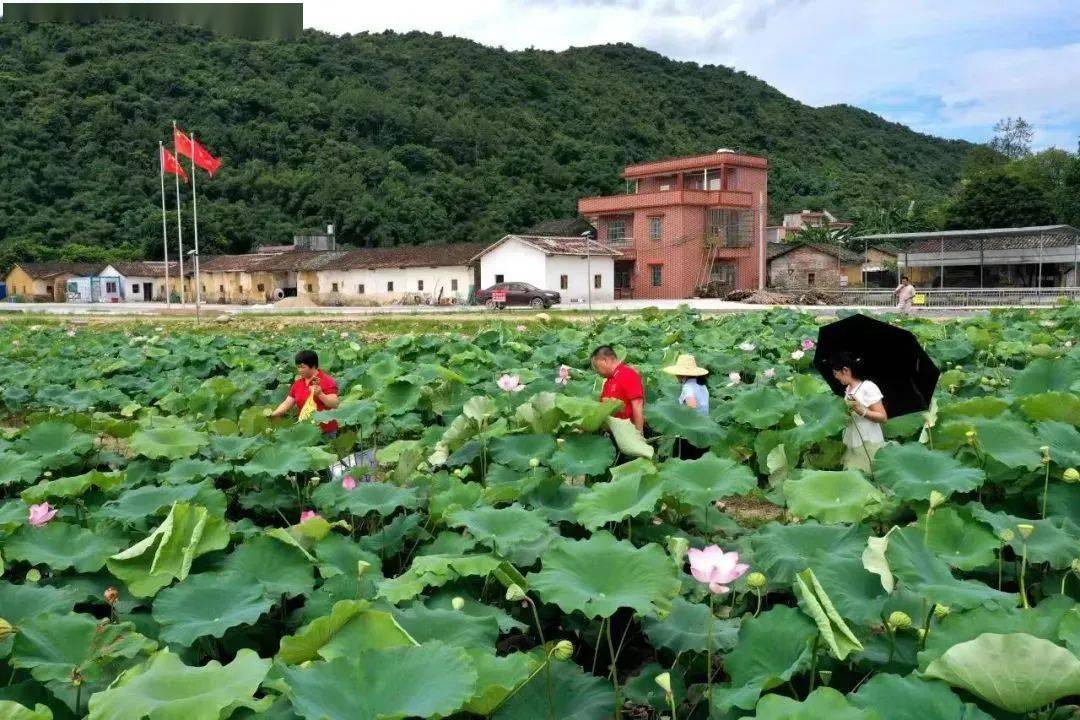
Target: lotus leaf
{"x":912,"y":472}
{"x":496,"y":678}
{"x":70,"y":487}
{"x":1010,"y":442}
{"x":832,"y":496}
{"x":1053,"y":540}
{"x":378,"y":497}
{"x":374,"y":629}
{"x":173,"y":443}
{"x":279,"y":460}
{"x":398,"y":397}
{"x":10,"y":710}
{"x":449,"y":626}
{"x":352,"y":413}
{"x":634,"y":489}
{"x":585,"y":414}
{"x":673,"y":418}
{"x":20,"y":602}
{"x":1064,"y":442}
{"x":1041,"y":376}
{"x":628,"y":439}
{"x":572,"y":695}
{"x":513,"y":532}
{"x":816,"y":603}
{"x":818,"y":417}
{"x":191,"y":469}
{"x":435,"y":571}
{"x":761,"y":407}
{"x":686,"y":629}
{"x":822,"y":703}
{"x":60,"y":546}
{"x":54,"y":444}
{"x":144,"y":502}
{"x":958,"y":539}
{"x":1058,"y":406}
{"x":208,"y":604}
{"x":17,"y":469}
{"x":912,"y":698}
{"x":583,"y":455}
{"x":516,"y":451}
{"x":705,"y":480}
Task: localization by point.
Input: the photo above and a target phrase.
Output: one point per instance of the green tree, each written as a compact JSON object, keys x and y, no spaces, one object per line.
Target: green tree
{"x":998,"y":200}
{"x":1012,"y":137}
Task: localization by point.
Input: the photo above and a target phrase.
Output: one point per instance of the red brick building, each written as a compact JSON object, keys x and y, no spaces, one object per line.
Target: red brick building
{"x":684,"y":222}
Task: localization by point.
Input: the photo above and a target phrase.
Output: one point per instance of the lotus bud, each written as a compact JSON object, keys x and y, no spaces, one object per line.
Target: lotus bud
{"x":534,"y":462}
{"x":1025,"y":530}
{"x":920,"y":633}
{"x":1007,"y":535}
{"x":514,"y":593}
{"x":899,"y":620}
{"x":457,"y":603}
{"x":563,"y":651}
{"x":664,"y":681}
{"x":936,"y":499}
{"x":1045,"y":450}
{"x":361,"y":568}
{"x":33,"y":575}
{"x":755,"y":581}
{"x":1075,"y":566}
{"x":48,"y":473}
{"x":5,"y":630}
{"x":940,"y":611}
{"x":970,"y":435}
{"x":1071,"y":475}
{"x":112,"y":595}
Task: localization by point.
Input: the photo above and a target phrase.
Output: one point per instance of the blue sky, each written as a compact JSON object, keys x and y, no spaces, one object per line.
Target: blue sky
{"x":946,"y":67}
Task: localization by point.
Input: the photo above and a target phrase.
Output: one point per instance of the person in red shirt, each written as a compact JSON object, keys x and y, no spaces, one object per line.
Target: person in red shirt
{"x":311,"y":382}
{"x":623,"y":383}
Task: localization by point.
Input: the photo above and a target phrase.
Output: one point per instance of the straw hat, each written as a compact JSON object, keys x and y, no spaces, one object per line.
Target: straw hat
{"x":686,"y":366}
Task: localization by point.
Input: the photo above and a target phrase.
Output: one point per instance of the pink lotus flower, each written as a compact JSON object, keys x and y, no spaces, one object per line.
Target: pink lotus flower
{"x":348,"y":482}
{"x":716,"y":568}
{"x":308,"y":515}
{"x":807,"y":344}
{"x":747,"y":347}
{"x":770,"y":373}
{"x":521,"y":328}
{"x":41,"y":514}
{"x":510,"y":383}
{"x":734,"y":377}
{"x":564,"y":375}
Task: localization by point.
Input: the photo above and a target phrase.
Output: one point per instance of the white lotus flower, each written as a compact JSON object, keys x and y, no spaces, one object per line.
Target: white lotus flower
{"x":797,"y":355}
{"x":747,"y":347}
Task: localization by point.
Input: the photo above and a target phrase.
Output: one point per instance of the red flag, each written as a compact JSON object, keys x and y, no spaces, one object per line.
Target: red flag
{"x":170,"y":164}
{"x":192,"y":149}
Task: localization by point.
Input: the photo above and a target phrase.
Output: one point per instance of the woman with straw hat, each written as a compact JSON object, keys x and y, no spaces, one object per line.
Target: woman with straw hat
{"x":694,"y":394}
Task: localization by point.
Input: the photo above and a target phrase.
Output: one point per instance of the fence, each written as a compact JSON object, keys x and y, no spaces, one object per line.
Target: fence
{"x":961,"y":297}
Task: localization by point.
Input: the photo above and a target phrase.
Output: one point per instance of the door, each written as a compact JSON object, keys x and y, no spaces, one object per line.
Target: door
{"x":147,"y":292}
{"x":624,"y":271}
{"x":723,"y":278}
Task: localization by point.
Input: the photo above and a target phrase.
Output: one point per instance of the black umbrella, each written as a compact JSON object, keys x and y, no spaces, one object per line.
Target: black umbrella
{"x":892,"y":359}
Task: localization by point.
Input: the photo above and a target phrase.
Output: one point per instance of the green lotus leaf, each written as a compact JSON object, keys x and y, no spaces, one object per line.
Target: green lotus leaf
{"x":686,"y":629}
{"x":449,"y":626}
{"x":958,"y":539}
{"x":817,"y":418}
{"x":444,"y":599}
{"x":672,"y":418}
{"x":705,"y":480}
{"x":164,"y":688}
{"x":60,"y":546}
{"x":643,"y":690}
{"x":1053,"y":540}
{"x":392,"y":536}
{"x":1057,"y":406}
{"x":815,"y":602}
{"x":772,"y":648}
{"x":292,"y":572}
{"x":451,"y":493}
{"x":20,"y":602}
{"x":192,"y":469}
{"x":572,"y":695}
{"x":70,"y":487}
{"x":628,"y":439}
{"x":233,"y":447}
{"x":1042,"y":376}
{"x":986,"y":406}
{"x":918,"y":570}
{"x":832,"y":496}
{"x":398,"y":397}
{"x":1010,"y":442}
{"x":634,"y":489}
{"x":517,"y":534}
{"x":147,"y":501}
{"x":361,"y":627}
{"x":53,"y":647}
{"x":583,"y":455}
{"x":369,"y":685}
{"x":912,"y":698}
{"x":207,"y":605}
{"x":18,"y":469}
{"x":1003,"y":670}
{"x":1064,"y":442}
{"x":54,"y":444}
{"x":167,"y":553}
{"x":435,"y":571}
{"x":539,"y":413}
{"x":1069,"y":629}
{"x":382,"y":498}
{"x":496,"y":678}
{"x":173,"y":443}
{"x":585,"y":414}
{"x":281,"y":460}
{"x":912,"y":472}
{"x":515,"y":451}
{"x":10,"y":710}
{"x":822,"y":703}
{"x":352,"y":413}
{"x":761,"y":407}
{"x":338,"y":555}
{"x":600,"y":575}
{"x":782,"y":551}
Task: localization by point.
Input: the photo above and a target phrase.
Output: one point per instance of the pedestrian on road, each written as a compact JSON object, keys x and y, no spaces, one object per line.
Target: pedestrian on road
{"x":863,"y":436}
{"x":904,"y":294}
{"x":622,"y":383}
{"x":312,"y":391}
{"x":693,"y":394}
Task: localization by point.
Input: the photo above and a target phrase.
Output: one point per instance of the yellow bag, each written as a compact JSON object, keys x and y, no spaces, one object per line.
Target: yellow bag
{"x":309,"y":408}
{"x":918,"y":299}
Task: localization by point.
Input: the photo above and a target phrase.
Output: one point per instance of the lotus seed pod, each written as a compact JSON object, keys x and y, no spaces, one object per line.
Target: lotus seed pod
{"x":564,"y":650}
{"x":920,"y":632}
{"x":514,"y":593}
{"x":1071,"y":475}
{"x":534,"y":462}
{"x":112,"y":595}
{"x":1075,"y":565}
{"x":970,"y":435}
{"x":1025,"y":530}
{"x":664,"y":681}
{"x":1045,"y":450}
{"x":755,"y":581}
{"x":1007,"y":535}
{"x":899,"y":620}
{"x":5,"y":629}
{"x":941,"y":611}
{"x":936,"y":499}
{"x":457,"y":603}
{"x":48,"y":473}
{"x":33,"y":575}
{"x":826,"y":676}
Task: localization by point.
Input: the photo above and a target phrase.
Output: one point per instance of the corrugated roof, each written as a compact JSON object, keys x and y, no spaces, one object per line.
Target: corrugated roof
{"x":558,"y":246}
{"x":45,"y":270}
{"x":146,"y":268}
{"x":989,"y":239}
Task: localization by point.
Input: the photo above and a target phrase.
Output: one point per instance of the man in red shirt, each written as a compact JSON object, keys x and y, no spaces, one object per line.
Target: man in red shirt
{"x":314,"y":383}
{"x":623,"y":383}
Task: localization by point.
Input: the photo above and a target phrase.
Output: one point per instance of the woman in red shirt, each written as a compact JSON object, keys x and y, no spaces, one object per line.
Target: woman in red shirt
{"x":314,"y":383}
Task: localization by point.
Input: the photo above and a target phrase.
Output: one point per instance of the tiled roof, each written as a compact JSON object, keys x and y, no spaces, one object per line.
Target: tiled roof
{"x":146,"y":268}
{"x":836,"y":251}
{"x":274,"y":248}
{"x":42,"y":271}
{"x":990,"y":239}
{"x":453,"y":254}
{"x":558,"y":245}
{"x":566,"y":227}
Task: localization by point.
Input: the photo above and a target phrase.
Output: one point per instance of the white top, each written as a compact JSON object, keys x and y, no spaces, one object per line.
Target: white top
{"x":860,"y":430}
{"x":905,"y":292}
{"x":700,"y":393}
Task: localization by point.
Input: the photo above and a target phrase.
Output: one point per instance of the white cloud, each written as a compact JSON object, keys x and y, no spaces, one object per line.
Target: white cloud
{"x":949,"y":68}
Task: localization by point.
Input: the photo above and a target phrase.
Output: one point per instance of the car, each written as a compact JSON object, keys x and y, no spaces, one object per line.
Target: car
{"x":518,"y":293}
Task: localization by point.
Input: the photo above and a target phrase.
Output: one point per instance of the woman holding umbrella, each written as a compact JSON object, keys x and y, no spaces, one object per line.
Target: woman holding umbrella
{"x":863,"y":436}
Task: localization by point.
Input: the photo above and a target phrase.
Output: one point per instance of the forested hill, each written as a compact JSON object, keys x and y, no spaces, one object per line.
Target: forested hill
{"x":395,"y":138}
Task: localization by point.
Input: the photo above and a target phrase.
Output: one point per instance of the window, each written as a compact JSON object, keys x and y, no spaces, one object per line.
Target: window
{"x":333,"y":287}
{"x":360,"y":289}
{"x":564,"y":282}
{"x":453,"y":285}
{"x":656,"y":226}
{"x":616,"y":229}
{"x":657,"y":275}
{"x":221,"y":288}
{"x":110,"y":286}
{"x":420,"y":285}
{"x":596,"y":281}
{"x":810,"y":278}
{"x":134,"y":288}
{"x":241,"y":289}
{"x":499,"y":279}
{"x":390,"y":286}
{"x":308,"y":286}
{"x":262,"y":287}
{"x":48,"y":289}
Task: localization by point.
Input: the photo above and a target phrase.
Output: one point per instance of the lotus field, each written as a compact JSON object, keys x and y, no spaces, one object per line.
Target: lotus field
{"x":169,"y":552}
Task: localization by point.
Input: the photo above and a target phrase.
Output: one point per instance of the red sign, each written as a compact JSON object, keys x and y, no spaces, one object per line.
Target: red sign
{"x":498,"y":296}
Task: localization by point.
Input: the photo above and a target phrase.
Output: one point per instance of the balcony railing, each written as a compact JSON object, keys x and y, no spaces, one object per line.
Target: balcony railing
{"x":665,"y":198}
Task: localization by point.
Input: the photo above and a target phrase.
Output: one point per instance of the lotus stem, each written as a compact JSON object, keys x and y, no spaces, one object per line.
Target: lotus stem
{"x":78,"y":699}
{"x":1046,"y":485}
{"x":671,"y":704}
{"x":757,"y":610}
{"x":536,"y":619}
{"x":813,"y":662}
{"x":596,"y":648}
{"x":614,"y":672}
{"x":1023,"y":578}
{"x":1001,"y":562}
{"x":708,"y":649}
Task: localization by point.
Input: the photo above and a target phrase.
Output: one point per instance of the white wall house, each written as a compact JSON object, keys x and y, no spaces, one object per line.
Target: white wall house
{"x":572,"y":266}
{"x":142,"y":281}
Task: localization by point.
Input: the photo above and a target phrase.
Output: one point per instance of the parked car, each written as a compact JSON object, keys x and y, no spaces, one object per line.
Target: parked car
{"x":518,"y":293}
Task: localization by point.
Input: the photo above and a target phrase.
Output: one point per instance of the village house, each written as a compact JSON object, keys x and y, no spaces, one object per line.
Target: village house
{"x":144,"y":281}
{"x":794,"y":266}
{"x":794,"y":222}
{"x":685,"y":222}
{"x":578,"y":268}
{"x":49,"y":282}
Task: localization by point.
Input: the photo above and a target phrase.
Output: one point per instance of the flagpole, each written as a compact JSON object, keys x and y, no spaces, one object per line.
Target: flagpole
{"x":195,"y":216}
{"x":179,"y":227}
{"x":164,"y":232}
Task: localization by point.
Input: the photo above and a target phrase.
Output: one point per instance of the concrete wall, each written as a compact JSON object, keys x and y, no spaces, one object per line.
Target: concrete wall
{"x":580,"y":275}
{"x":451,"y":282}
{"x":516,"y":262}
{"x":792,"y":271}
{"x":21,"y":284}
